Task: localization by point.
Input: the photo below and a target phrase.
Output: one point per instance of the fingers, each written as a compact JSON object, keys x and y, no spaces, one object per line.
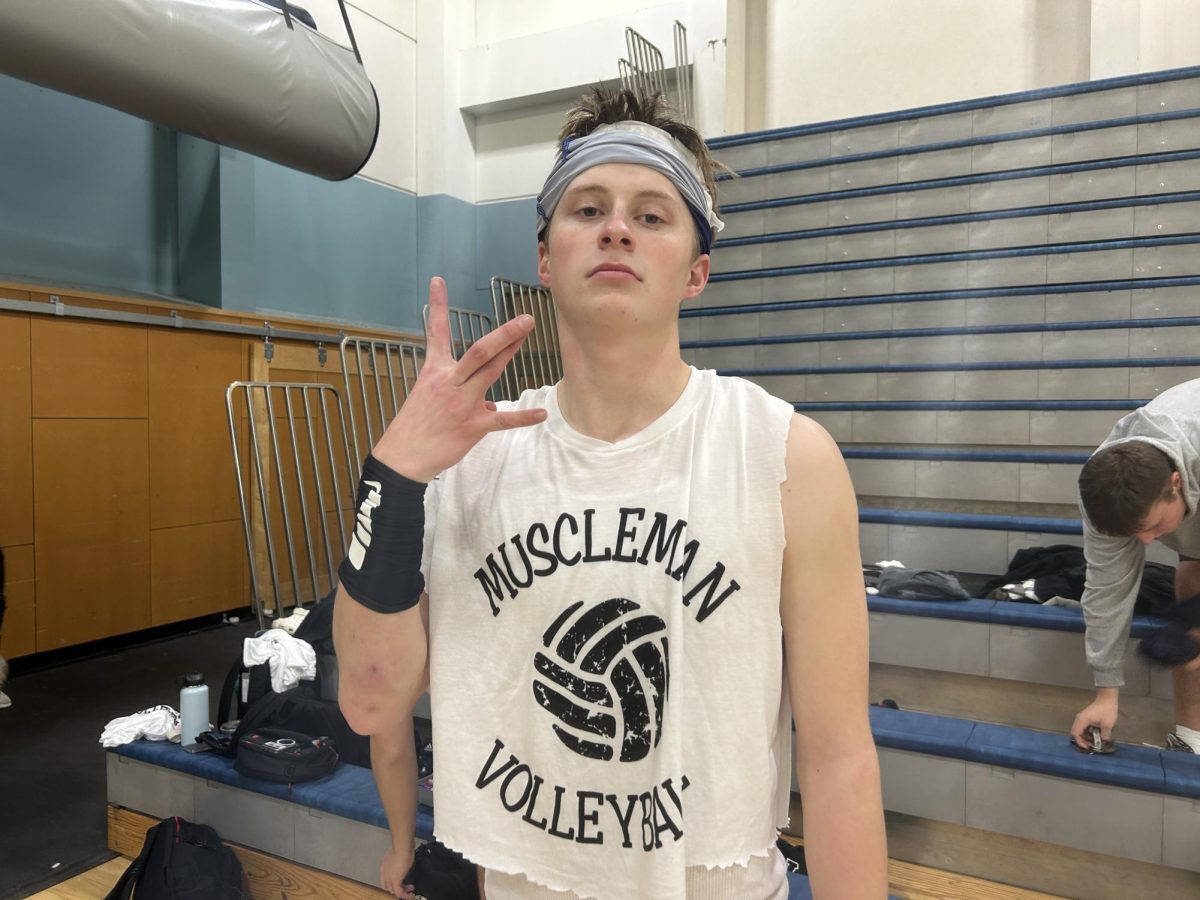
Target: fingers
{"x":489,"y":373}
{"x":437,"y":328}
{"x":505,"y":339}
{"x":1078,"y":727}
{"x":522,"y":418}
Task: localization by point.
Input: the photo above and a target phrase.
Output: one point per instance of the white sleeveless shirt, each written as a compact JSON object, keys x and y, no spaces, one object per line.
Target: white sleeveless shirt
{"x":610,"y":714}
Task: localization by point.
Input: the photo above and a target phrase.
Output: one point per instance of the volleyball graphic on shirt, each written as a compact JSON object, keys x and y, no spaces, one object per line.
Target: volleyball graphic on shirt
{"x":603,"y":675}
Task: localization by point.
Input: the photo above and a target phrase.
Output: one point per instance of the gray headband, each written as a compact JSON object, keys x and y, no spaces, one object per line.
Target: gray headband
{"x":640,"y":144}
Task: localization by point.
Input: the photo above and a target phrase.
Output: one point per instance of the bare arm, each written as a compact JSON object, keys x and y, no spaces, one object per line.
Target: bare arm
{"x":394,"y":765}
{"x":382,"y":656}
{"x":382,"y":663}
{"x":824,"y":615}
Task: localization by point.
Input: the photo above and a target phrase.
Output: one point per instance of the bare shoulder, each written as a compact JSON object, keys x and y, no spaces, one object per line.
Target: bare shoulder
{"x":817,"y":498}
{"x":811,"y":450}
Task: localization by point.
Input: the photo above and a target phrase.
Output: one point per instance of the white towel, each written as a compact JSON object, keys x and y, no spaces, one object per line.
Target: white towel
{"x":158,"y":723}
{"x":291,"y":659}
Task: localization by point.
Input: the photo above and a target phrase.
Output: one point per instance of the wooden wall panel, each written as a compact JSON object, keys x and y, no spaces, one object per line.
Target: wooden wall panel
{"x":116,"y":481}
{"x":87,"y":369}
{"x":91,"y":529}
{"x":17,"y":633}
{"x":16,"y":437}
{"x":191,"y":461}
{"x":195,"y":570}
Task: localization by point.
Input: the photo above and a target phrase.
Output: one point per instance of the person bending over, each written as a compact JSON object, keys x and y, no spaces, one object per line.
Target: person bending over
{"x":1141,"y":485}
{"x":634,"y":579}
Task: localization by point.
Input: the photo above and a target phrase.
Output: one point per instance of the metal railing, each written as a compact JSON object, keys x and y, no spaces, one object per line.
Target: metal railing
{"x":683,"y":75}
{"x":296,"y":486}
{"x":377,"y":376}
{"x":644,"y":73}
{"x":539,"y":361}
{"x":466,"y":327}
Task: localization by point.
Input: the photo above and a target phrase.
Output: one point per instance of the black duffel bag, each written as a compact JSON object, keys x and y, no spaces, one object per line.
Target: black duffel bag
{"x":284,"y":757}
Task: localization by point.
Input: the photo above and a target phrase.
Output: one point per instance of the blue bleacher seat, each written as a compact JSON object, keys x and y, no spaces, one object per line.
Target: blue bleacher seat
{"x":349,"y":792}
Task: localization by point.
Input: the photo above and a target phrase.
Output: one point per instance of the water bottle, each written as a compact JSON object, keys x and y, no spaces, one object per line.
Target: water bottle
{"x":193,"y":708}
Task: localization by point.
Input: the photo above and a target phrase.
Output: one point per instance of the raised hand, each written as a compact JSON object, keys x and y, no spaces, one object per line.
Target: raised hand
{"x":447,"y":412}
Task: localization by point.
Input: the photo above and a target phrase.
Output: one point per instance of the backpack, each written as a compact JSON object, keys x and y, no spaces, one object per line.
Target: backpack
{"x":181,"y":861}
{"x":285,"y":757}
{"x":440,"y":873}
{"x":310,"y":708}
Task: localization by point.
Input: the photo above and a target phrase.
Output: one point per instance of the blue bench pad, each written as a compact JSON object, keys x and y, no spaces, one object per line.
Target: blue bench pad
{"x":1182,"y":775}
{"x":1132,"y":766}
{"x":902,"y":729}
{"x":1000,"y":612}
{"x":349,"y":792}
{"x":975,"y":610}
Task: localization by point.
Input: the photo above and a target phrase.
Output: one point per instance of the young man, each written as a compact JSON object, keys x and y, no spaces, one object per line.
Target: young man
{"x":630,"y":574}
{"x":1141,"y":485}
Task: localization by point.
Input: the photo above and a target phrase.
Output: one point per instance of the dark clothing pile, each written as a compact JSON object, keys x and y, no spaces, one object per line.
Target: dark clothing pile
{"x":914,"y":584}
{"x":1172,"y":645}
{"x":1061,"y":571}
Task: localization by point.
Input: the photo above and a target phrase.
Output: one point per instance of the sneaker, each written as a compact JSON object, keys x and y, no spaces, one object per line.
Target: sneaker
{"x":5,"y":700}
{"x":1175,"y":742}
{"x":292,"y":622}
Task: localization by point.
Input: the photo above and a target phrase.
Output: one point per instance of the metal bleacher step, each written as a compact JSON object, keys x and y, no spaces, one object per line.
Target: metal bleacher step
{"x":1003,"y":701}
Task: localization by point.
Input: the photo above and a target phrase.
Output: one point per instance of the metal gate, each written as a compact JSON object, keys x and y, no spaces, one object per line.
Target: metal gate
{"x":296,"y":485}
{"x":377,"y":376}
{"x":539,"y":361}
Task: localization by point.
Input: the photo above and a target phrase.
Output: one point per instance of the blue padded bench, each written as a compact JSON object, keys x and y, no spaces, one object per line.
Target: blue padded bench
{"x":1132,"y":766}
{"x":349,"y":793}
{"x":1000,"y":612}
{"x":984,"y":521}
{"x":1138,"y":804}
{"x":1008,"y":640}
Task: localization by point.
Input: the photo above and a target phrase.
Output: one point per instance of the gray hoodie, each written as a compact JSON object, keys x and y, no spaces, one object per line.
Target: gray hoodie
{"x":1170,"y":422}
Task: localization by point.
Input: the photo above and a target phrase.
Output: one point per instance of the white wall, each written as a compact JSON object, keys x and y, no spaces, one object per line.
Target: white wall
{"x":534,"y":66}
{"x":445,"y":157}
{"x":387,"y":41}
{"x":833,"y":60}
{"x":1129,"y":36}
{"x":497,"y":21}
{"x":530,"y":62}
{"x":515,"y":149}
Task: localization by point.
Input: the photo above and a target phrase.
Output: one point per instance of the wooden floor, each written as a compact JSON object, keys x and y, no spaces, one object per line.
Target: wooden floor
{"x":906,"y":880}
{"x":93,"y":884}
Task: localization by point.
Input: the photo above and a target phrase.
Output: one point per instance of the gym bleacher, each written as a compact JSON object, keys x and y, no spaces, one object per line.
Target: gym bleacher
{"x":968,"y":296}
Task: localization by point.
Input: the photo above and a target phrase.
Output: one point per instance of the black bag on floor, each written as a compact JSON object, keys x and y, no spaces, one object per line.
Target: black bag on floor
{"x":181,"y":861}
{"x":285,"y":757}
{"x":438,"y":873}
